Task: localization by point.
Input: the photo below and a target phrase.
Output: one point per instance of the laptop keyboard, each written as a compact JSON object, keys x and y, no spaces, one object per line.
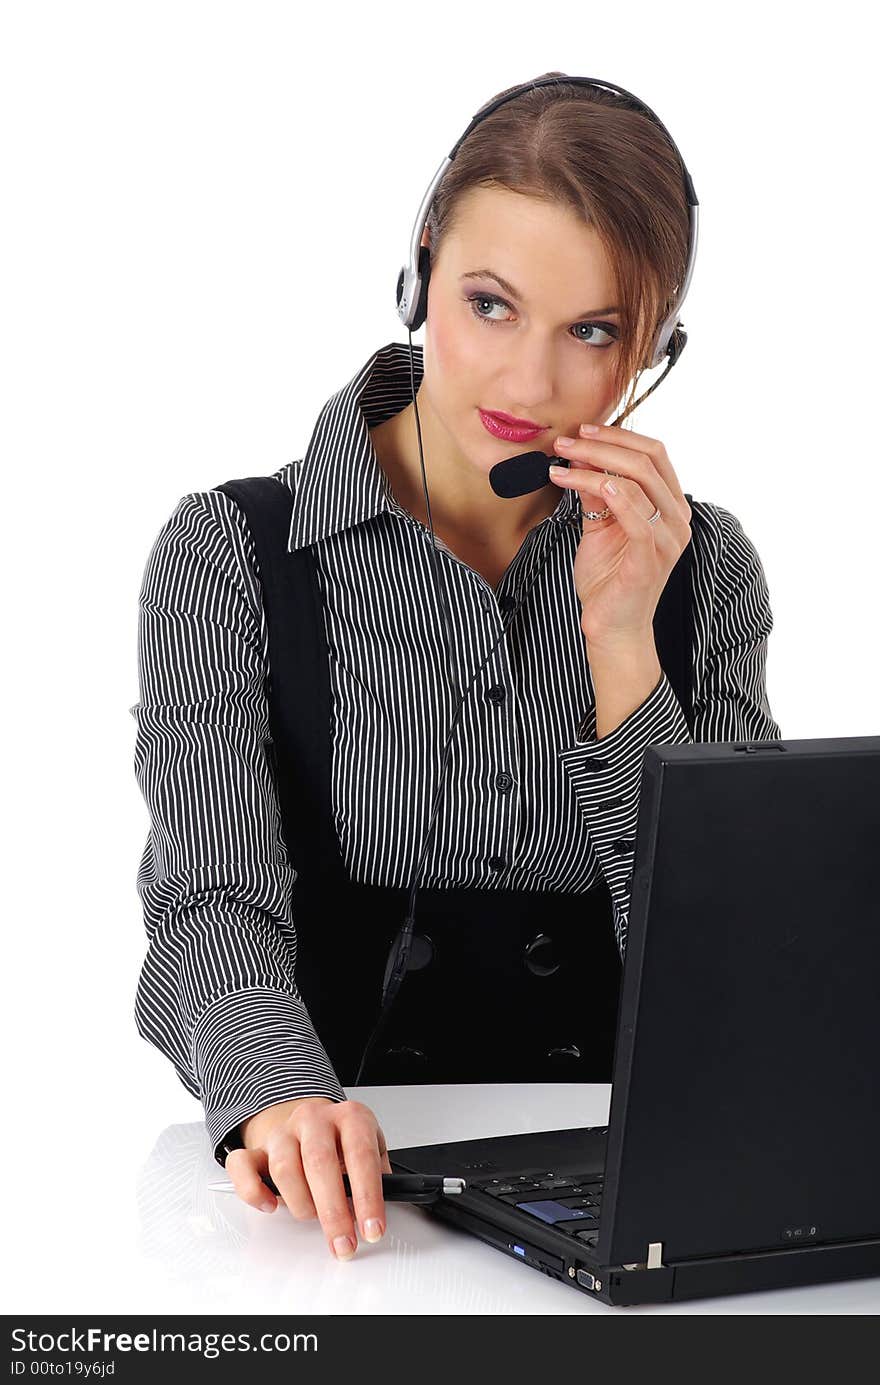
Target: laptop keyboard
{"x":571,"y":1203}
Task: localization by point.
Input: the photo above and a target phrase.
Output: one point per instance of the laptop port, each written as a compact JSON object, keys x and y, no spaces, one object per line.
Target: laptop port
{"x":586,"y":1280}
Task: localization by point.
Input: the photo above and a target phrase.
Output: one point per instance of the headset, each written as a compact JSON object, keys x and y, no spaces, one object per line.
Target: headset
{"x":412,"y":307}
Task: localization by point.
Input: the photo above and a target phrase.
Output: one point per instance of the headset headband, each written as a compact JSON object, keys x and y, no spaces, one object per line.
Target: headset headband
{"x":412,"y":282}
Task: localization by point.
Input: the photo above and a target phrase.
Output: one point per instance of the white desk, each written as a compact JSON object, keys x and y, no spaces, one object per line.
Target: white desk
{"x":163,"y":1242}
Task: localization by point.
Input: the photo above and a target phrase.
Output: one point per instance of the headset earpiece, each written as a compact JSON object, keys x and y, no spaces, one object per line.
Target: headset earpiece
{"x":421,"y":310}
{"x":677,"y":343}
{"x":418,"y":290}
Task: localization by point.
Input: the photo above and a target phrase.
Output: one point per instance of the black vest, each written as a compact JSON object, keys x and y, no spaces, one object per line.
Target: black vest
{"x":509,"y":985}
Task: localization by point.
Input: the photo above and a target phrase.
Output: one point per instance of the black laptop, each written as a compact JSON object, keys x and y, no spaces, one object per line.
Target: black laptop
{"x":743,"y":1144}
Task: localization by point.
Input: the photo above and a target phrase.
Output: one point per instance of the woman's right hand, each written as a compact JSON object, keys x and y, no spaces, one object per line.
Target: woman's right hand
{"x":306,"y":1145}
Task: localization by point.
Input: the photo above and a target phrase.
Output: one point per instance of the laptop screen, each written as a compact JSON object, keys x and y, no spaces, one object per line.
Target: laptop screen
{"x":745,"y":1111}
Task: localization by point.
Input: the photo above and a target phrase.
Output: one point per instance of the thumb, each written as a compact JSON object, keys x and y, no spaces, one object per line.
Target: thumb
{"x":246,"y":1168}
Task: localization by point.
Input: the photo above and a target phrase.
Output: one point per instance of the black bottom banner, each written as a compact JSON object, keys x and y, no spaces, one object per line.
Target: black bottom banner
{"x":319,"y":1347}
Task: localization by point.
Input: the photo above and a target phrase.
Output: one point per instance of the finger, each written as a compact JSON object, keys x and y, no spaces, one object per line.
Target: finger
{"x":364,"y":1165}
{"x":246,"y":1167}
{"x":627,"y":508}
{"x":383,"y":1151}
{"x":287,"y":1173}
{"x":633,"y":465}
{"x":579,"y":477}
{"x":625,"y":438}
{"x":637,"y":456}
{"x":320,"y":1160}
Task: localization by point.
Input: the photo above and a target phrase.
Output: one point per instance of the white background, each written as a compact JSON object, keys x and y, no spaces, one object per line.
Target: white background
{"x":205,"y":210}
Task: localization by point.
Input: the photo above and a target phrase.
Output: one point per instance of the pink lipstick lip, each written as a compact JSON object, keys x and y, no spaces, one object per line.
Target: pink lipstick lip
{"x":499,"y":428}
{"x":510,"y":422}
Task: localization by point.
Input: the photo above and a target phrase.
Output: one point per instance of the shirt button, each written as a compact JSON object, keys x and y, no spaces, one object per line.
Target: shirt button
{"x":421,"y":952}
{"x":497,"y":694}
{"x":566,"y":1051}
{"x":610,"y":803}
{"x":503,"y":781}
{"x":405,"y":1056}
{"x":497,"y":862}
{"x":540,"y":956}
{"x":506,"y":603}
{"x":623,"y":844}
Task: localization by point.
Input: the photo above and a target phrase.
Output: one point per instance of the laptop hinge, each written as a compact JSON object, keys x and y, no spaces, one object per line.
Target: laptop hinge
{"x":654,"y":1260}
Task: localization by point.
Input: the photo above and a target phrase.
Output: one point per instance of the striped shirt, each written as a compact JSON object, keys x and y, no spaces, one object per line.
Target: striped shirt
{"x":525,"y":806}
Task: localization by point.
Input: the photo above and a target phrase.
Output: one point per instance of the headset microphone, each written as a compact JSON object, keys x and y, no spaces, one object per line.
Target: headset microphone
{"x":515,"y":476}
{"x":520,"y":475}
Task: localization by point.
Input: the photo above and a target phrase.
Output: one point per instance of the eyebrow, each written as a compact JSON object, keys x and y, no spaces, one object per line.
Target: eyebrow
{"x":508,"y":288}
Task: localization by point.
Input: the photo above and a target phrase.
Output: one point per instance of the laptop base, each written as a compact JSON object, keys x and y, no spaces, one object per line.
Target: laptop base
{"x":621,"y":1288}
{"x":566,"y":1260}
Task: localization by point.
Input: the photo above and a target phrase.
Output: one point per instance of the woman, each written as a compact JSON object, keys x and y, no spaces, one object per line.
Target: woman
{"x":547,"y":280}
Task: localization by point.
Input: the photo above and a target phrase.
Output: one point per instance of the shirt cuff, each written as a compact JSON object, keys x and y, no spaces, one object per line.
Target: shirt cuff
{"x":606,"y":778}
{"x":252,"y":1049}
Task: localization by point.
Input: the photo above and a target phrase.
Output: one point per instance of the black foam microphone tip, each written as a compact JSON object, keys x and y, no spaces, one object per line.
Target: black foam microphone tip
{"x":519,"y":475}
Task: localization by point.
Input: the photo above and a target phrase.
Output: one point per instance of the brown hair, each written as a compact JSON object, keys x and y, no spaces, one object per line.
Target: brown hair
{"x":593,"y":151}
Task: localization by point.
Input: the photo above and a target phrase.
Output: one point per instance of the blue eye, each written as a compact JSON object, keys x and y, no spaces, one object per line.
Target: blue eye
{"x":608,"y":328}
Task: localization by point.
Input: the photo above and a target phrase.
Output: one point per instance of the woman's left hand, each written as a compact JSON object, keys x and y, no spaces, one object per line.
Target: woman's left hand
{"x":623,"y":562}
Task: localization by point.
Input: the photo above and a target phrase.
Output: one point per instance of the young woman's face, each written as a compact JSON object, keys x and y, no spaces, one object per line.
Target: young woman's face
{"x":540,"y":350}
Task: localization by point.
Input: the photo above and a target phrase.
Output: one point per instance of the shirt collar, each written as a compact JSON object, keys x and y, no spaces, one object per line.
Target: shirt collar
{"x":339,"y":481}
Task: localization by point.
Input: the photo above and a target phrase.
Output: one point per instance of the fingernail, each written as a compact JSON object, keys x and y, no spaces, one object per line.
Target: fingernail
{"x":565,"y":442}
{"x":558,"y":470}
{"x":372,"y":1229}
{"x":589,"y":428}
{"x":343,"y":1247}
{"x":267,"y":1206}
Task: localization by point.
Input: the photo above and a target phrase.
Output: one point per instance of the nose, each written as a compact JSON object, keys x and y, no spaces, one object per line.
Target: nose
{"x":528,"y":381}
